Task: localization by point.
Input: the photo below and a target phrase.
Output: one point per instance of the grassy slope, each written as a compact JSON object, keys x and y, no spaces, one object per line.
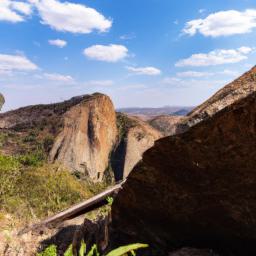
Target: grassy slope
{"x":31,"y":189}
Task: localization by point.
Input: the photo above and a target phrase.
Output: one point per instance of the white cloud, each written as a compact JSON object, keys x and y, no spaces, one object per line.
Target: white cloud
{"x":71,"y":17}
{"x":59,"y":77}
{"x":216,"y":57}
{"x":194,"y":74}
{"x":14,"y":11}
{"x":151,"y":71}
{"x":223,"y":23}
{"x":108,"y":53}
{"x":22,"y":7}
{"x":58,"y":42}
{"x":16,"y":63}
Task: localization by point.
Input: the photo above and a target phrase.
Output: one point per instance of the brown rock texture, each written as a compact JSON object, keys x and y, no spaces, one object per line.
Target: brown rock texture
{"x":197,"y":188}
{"x":135,"y":137}
{"x":238,"y":89}
{"x":166,"y":124}
{"x":88,"y":136}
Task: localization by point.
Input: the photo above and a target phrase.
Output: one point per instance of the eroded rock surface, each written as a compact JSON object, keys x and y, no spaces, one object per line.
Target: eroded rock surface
{"x":135,"y":137}
{"x":88,"y":136}
{"x":196,"y":188}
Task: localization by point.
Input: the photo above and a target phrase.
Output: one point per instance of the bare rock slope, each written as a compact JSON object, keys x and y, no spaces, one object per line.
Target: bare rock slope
{"x":135,"y":137}
{"x":197,"y":189}
{"x":88,"y":136}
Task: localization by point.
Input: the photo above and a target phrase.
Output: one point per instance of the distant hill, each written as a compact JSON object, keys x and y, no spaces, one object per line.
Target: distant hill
{"x":166,"y":110}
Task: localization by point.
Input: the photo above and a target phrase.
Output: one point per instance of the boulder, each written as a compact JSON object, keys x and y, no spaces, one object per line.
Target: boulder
{"x":197,"y":188}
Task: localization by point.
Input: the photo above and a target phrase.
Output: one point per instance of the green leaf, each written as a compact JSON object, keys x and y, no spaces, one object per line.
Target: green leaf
{"x":69,"y":252}
{"x":125,"y":249}
{"x":49,"y":251}
{"x":93,"y":251}
{"x":82,"y":248}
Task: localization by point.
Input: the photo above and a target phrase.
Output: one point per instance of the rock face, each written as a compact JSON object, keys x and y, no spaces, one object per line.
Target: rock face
{"x":80,"y":132}
{"x":197,"y":189}
{"x":88,"y":136}
{"x":166,"y":124}
{"x":238,"y":89}
{"x":1,"y":101}
{"x":135,"y":137}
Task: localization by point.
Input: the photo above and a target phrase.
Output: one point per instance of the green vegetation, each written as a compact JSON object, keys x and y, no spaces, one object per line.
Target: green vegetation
{"x":30,"y":188}
{"x":124,"y":123}
{"x":121,"y":251}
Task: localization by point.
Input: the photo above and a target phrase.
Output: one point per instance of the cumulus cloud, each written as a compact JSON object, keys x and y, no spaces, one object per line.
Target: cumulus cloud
{"x":14,"y":11}
{"x":108,"y":53}
{"x":223,"y":23}
{"x":71,"y":17}
{"x":216,"y":57}
{"x":59,"y":77}
{"x":58,"y":42}
{"x":151,"y":71}
{"x":9,"y":63}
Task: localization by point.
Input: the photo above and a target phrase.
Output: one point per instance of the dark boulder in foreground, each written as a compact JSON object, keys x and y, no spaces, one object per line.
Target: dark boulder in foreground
{"x":196,"y":189}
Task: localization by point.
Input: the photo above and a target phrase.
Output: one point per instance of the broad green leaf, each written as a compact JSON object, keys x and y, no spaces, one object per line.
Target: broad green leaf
{"x":125,"y":249}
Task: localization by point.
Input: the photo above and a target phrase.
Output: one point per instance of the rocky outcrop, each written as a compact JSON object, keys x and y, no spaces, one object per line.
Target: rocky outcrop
{"x":197,"y":189}
{"x":135,"y":137}
{"x":2,"y":101}
{"x":37,"y":115}
{"x":238,"y":89}
{"x":80,"y":133}
{"x":88,"y":136}
{"x":166,"y":124}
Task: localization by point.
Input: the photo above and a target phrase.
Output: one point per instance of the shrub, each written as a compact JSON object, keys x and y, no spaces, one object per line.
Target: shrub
{"x":48,"y":143}
{"x":36,"y":191}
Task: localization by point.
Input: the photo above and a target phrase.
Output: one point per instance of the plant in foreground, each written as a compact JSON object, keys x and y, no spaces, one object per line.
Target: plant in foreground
{"x":120,"y":251}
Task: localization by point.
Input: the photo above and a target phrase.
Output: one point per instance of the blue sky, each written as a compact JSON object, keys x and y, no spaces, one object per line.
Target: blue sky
{"x":139,"y":52}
